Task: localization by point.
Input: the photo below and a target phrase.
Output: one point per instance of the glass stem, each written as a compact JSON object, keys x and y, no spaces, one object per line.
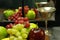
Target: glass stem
{"x":46,"y":23}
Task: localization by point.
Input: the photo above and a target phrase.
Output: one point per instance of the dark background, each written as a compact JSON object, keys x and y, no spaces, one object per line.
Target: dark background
{"x":17,"y":3}
{"x":57,"y":5}
{"x":9,"y":3}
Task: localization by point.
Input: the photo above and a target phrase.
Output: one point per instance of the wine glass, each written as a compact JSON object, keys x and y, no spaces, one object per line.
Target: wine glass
{"x":45,"y":12}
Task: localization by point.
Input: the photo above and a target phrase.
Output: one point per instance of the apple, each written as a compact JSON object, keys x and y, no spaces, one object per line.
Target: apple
{"x":8,"y":13}
{"x":3,"y":32}
{"x":37,"y":34}
{"x":30,"y":14}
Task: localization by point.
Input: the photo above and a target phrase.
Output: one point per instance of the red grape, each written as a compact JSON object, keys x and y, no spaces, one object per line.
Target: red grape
{"x":26,"y":22}
{"x":20,"y":8}
{"x":8,"y":26}
{"x":9,"y":18}
{"x":16,"y":17}
{"x":17,"y":14}
{"x":21,"y":22}
{"x":25,"y":19}
{"x":11,"y":24}
{"x":27,"y":25}
{"x":20,"y":14}
{"x":16,"y":21}
{"x":12,"y":17}
{"x":20,"y":18}
{"x":36,"y":11}
{"x":26,"y":8}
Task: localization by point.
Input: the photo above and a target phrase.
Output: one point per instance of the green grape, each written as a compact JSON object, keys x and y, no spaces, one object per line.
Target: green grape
{"x":20,"y":38}
{"x":14,"y":31}
{"x":15,"y":38}
{"x":18,"y":26}
{"x":24,"y":30}
{"x":9,"y":31}
{"x":14,"y":27}
{"x":33,"y":25}
{"x":11,"y":37}
{"x":25,"y":39}
{"x":24,"y":35}
{"x":28,"y":30}
{"x":18,"y":34}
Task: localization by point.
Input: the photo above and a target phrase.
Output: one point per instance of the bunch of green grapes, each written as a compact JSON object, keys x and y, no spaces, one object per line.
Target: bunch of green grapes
{"x":18,"y":32}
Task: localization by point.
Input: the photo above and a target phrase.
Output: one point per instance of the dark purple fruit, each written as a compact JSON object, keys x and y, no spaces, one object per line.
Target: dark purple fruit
{"x":36,"y":34}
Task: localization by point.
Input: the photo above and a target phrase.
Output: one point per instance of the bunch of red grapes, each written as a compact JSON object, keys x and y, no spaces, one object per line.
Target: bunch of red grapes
{"x":18,"y":19}
{"x":19,"y":13}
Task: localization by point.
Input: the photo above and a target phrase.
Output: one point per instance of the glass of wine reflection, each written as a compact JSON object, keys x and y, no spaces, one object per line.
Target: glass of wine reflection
{"x":46,"y":12}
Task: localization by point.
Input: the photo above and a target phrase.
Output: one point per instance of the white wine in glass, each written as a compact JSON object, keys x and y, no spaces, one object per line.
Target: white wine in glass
{"x":45,"y":12}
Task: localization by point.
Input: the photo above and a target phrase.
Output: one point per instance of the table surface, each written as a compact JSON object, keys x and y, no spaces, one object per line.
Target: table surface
{"x":55,"y":33}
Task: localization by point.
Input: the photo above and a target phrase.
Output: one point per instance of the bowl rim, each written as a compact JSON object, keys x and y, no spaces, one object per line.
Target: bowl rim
{"x":49,"y":9}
